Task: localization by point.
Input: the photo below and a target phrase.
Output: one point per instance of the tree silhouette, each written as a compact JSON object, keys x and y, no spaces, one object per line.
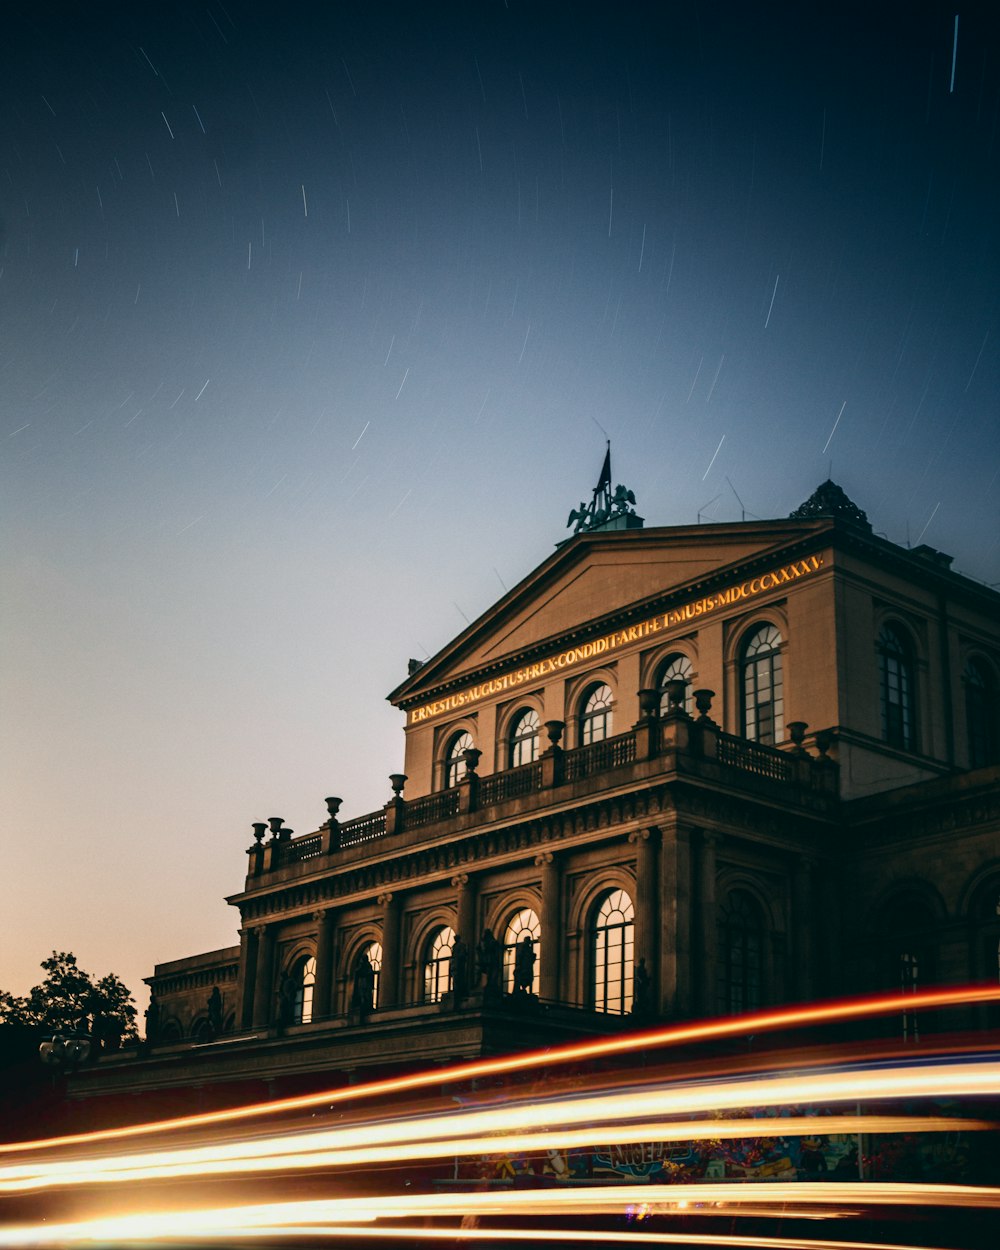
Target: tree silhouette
{"x":70,"y":1000}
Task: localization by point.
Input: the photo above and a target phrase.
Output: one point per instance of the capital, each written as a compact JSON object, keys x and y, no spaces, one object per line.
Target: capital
{"x":385,"y":899}
{"x":460,"y":880}
{"x":544,"y":858}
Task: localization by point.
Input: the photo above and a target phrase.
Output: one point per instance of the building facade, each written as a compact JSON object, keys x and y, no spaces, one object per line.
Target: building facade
{"x":674,"y":772}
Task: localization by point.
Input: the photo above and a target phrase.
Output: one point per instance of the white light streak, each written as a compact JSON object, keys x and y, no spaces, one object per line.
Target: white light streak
{"x":305,"y":206}
{"x":166,"y":123}
{"x":202,"y":391}
{"x":835,"y":424}
{"x":712,"y":461}
{"x":771,"y":305}
{"x":361,"y":435}
{"x":403,"y":383}
{"x":954,"y":56}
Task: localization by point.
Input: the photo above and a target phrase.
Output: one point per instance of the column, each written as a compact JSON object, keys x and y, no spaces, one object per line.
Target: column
{"x":803,"y":918}
{"x":324,"y":963}
{"x":244,"y":986}
{"x":388,"y":992}
{"x":465,"y":908}
{"x":707,"y":921}
{"x":676,"y":973}
{"x":551,"y":936}
{"x":262,"y":1007}
{"x":647,"y":902}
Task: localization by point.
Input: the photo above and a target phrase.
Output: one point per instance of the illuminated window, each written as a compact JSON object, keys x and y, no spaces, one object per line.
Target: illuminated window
{"x":597,"y":716}
{"x":437,"y":969}
{"x":524,"y":924}
{"x":763,"y":690}
{"x":896,"y":689}
{"x":676,"y":667}
{"x":980,"y":714}
{"x":374,"y":953}
{"x":612,"y":946}
{"x":304,"y":977}
{"x":454,"y":766}
{"x":738,"y":956}
{"x":524,"y":738}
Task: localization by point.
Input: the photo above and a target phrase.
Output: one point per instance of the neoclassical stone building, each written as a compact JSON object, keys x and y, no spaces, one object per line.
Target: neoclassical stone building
{"x":674,"y":772}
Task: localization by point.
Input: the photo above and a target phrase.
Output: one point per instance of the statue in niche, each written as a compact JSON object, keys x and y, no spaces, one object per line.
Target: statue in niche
{"x":524,"y":966}
{"x":489,"y":958}
{"x":215,"y":1011}
{"x":642,"y":990}
{"x":363,"y":992}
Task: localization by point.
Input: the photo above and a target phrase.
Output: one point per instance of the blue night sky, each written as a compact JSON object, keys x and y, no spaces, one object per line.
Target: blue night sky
{"x":311,"y":325}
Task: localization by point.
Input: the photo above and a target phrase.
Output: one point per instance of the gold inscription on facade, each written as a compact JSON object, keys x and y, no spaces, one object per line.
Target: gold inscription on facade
{"x":620,"y":638}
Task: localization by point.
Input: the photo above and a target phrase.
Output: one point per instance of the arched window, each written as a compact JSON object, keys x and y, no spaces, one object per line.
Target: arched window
{"x":437,"y":969}
{"x":763,"y":690}
{"x":373,"y":953}
{"x":676,"y":667}
{"x":980,"y":714}
{"x":524,"y":738}
{"x":739,"y":955}
{"x":304,"y":977}
{"x":895,"y":666}
{"x":596,"y":715}
{"x":454,"y":764}
{"x":908,"y":925}
{"x":612,"y":942}
{"x":523,"y":924}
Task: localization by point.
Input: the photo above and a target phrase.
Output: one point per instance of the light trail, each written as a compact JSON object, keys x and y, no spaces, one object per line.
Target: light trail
{"x":546,"y":1123}
{"x":838,"y":1010}
{"x":354,"y":1217}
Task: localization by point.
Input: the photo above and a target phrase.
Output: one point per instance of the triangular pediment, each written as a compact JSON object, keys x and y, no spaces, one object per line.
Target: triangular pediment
{"x":591,"y":581}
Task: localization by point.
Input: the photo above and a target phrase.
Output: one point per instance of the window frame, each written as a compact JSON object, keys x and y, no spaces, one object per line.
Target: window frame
{"x":603,"y":951}
{"x":454,"y":765}
{"x":897,"y":687}
{"x":589,"y":718}
{"x":534,"y":931}
{"x":437,"y":967}
{"x":755,"y":661}
{"x":518,"y":740}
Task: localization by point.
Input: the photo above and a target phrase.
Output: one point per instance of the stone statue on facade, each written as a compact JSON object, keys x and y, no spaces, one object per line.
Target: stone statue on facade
{"x":489,"y":959}
{"x":524,"y":966}
{"x":363,"y":992}
{"x":460,"y":967}
{"x":215,"y":1011}
{"x":152,"y":1019}
{"x":286,"y":1000}
{"x":642,"y":990}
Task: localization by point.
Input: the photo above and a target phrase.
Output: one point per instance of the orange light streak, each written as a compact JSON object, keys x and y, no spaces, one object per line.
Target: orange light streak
{"x":340,"y":1217}
{"x":672,"y":1035}
{"x":545,"y":1123}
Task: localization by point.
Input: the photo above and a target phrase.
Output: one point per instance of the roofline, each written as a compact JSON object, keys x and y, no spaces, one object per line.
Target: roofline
{"x":796,"y":534}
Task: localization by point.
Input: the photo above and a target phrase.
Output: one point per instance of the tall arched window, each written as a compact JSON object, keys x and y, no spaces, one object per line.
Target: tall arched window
{"x":454,"y":763}
{"x":523,"y":924}
{"x":524,"y":738}
{"x":304,"y":977}
{"x":612,"y":942}
{"x":596,"y":715}
{"x":676,"y":667}
{"x":895,"y":666}
{"x":437,"y":968}
{"x":374,"y":952}
{"x":739,"y":954}
{"x":763,"y":689}
{"x":980,"y":714}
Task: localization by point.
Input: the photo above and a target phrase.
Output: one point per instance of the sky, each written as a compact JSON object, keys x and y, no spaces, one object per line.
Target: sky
{"x":314,"y":321}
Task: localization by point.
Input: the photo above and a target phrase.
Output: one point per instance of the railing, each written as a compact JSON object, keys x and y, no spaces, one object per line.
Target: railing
{"x":753,"y":757}
{"x":528,"y":779}
{"x":431,"y":808}
{"x":302,"y":848}
{"x":599,"y":757}
{"x":362,"y":829}
{"x":512,"y":784}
